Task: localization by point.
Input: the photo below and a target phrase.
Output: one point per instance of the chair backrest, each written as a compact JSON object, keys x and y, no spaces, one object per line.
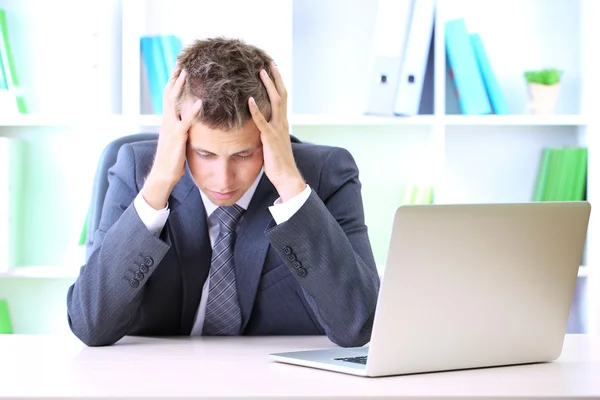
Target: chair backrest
{"x":100,"y":185}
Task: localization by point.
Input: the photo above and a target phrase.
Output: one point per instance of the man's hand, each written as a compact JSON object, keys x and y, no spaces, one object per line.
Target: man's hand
{"x":169,"y":161}
{"x":279,"y":163}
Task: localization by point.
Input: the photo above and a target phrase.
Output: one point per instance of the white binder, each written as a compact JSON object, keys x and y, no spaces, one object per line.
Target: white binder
{"x":391,"y":31}
{"x":414,"y":62}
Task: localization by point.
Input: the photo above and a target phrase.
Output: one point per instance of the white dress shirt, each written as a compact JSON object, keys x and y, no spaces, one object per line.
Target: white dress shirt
{"x":155,"y":221}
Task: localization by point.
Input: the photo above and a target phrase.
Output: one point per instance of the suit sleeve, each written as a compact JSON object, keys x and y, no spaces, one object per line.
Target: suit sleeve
{"x":102,"y":303}
{"x":326,"y":246}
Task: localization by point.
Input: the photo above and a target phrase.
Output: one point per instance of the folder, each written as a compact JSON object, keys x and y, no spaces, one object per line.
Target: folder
{"x":414,"y":62}
{"x":392,"y":24}
{"x":464,"y":71}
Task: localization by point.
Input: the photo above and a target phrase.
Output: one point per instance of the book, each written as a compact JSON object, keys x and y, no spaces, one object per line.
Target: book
{"x":495,"y":94}
{"x":464,"y":71}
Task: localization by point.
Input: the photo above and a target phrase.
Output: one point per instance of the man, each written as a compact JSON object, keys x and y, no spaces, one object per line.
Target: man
{"x":224,"y":227}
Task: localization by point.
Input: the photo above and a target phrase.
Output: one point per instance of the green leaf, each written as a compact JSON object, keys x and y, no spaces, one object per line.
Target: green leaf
{"x":548,"y":76}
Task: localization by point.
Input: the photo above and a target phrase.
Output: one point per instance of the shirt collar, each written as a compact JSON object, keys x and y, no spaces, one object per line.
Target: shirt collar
{"x":243,"y":202}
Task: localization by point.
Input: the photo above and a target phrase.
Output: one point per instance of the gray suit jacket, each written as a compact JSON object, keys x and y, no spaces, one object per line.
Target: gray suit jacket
{"x":311,"y":275}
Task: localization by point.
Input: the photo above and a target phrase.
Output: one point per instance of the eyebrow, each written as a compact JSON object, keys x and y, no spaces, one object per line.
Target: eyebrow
{"x":247,"y":150}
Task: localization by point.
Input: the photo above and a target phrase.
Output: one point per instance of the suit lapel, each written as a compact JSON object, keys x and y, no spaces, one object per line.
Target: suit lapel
{"x":252,"y":245}
{"x":189,"y":232}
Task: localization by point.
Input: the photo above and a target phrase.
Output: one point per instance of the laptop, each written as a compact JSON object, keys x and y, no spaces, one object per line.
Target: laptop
{"x":468,"y":286}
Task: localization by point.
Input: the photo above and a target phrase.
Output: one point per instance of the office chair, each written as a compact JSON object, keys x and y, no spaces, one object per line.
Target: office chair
{"x":100,"y":184}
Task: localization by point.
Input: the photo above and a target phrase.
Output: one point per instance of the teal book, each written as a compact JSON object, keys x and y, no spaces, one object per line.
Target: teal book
{"x":464,"y":71}
{"x":152,"y":58}
{"x":495,"y":94}
{"x":171,"y":46}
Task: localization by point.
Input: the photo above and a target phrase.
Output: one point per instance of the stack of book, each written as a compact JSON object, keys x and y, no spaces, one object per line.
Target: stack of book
{"x":562,"y":174}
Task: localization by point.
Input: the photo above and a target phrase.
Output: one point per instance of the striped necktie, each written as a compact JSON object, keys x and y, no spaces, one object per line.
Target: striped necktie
{"x":223,"y":315}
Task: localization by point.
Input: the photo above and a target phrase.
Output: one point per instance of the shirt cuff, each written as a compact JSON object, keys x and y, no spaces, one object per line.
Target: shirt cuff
{"x":154,"y":220}
{"x":282,"y":211}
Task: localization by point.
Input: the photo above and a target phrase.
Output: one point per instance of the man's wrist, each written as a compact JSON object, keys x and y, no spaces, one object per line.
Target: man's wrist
{"x":156,"y":191}
{"x":291,"y":188}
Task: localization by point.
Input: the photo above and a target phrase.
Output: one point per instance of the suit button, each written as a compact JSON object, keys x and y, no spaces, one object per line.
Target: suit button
{"x":149,"y":261}
{"x":291,"y":257}
{"x":287,"y":250}
{"x":134,"y":283}
{"x":302,"y":272}
{"x":139,"y":275}
{"x":144,"y":269}
{"x":296,"y":264}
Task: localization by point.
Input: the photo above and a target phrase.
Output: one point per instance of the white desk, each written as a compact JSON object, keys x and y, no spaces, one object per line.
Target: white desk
{"x":62,"y":367}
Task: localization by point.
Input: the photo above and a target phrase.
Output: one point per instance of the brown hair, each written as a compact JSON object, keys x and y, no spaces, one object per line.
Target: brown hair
{"x":224,"y":73}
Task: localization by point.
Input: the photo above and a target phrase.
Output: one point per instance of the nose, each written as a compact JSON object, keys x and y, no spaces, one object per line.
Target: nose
{"x":224,"y":177}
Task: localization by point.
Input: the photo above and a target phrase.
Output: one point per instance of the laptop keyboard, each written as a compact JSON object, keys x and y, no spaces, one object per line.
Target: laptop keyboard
{"x":356,"y":360}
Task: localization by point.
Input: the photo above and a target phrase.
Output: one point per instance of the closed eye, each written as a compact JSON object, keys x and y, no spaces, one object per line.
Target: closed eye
{"x":244,"y":157}
{"x":204,"y":155}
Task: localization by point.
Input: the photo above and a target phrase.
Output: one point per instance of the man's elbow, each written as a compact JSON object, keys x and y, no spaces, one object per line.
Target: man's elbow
{"x":90,"y":336}
{"x":356,"y":337}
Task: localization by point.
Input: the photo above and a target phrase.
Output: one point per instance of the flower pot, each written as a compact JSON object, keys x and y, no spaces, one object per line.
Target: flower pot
{"x":543,"y":98}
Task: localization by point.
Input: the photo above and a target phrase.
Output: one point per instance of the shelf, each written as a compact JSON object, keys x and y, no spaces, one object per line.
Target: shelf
{"x":44,"y":271}
{"x":327,"y":120}
{"x":40,"y":120}
{"x":366,"y":120}
{"x":515,"y":120}
{"x":31,"y":120}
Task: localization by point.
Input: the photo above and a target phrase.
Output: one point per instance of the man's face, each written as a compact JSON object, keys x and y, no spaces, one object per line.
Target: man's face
{"x":224,"y":164}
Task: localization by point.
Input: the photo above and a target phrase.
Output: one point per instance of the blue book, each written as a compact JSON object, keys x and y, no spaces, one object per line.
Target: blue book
{"x":151,"y":54}
{"x":494,"y":91}
{"x":171,"y":46}
{"x":464,"y":71}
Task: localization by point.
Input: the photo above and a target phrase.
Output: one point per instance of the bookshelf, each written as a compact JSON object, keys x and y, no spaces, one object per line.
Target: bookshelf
{"x":322,"y":49}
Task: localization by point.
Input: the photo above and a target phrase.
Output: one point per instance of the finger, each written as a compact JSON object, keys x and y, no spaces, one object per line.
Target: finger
{"x":280,"y":87}
{"x":172,"y":78}
{"x":273,"y":96}
{"x":257,"y":116}
{"x":176,"y":89}
{"x":189,"y":118}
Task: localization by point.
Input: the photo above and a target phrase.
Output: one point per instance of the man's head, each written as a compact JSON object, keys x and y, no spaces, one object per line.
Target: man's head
{"x":224,"y":150}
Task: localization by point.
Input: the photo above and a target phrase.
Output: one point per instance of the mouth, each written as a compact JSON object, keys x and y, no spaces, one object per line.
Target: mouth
{"x":223,"y":195}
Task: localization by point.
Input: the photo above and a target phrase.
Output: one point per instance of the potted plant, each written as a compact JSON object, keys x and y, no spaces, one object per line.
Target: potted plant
{"x":543,"y":89}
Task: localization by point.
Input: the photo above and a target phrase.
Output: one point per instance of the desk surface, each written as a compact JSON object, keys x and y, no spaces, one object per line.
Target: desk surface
{"x":62,"y":367}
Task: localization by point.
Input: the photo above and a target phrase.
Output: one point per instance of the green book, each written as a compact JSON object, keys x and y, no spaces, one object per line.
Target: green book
{"x":553,"y":178}
{"x":579,"y":184}
{"x":10,"y":69}
{"x":542,"y":175}
{"x":5,"y":323}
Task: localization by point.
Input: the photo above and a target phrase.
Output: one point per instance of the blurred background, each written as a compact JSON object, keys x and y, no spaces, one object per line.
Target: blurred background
{"x":447,"y":101}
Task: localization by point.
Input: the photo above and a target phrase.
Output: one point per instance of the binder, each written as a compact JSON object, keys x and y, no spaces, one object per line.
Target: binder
{"x":392,"y":24}
{"x":464,"y":71}
{"x":414,"y":62}
{"x":495,"y":94}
